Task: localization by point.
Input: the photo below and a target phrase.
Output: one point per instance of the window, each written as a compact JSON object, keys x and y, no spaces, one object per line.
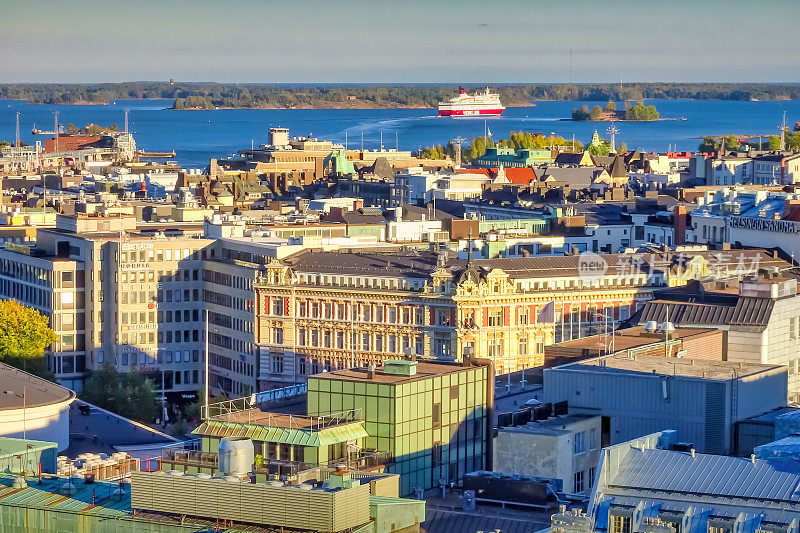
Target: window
{"x":496,"y":316}
{"x":523,"y":316}
{"x":495,"y":348}
{"x":591,"y":477}
{"x":277,"y":306}
{"x":577,"y":483}
{"x":278,"y":336}
{"x":579,"y":444}
{"x":436,"y":415}
{"x":277,"y":364}
{"x":523,"y":345}
{"x":593,"y":441}
{"x":622,"y":524}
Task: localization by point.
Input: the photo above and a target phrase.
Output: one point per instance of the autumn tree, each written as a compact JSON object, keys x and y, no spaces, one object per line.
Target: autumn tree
{"x":24,"y":332}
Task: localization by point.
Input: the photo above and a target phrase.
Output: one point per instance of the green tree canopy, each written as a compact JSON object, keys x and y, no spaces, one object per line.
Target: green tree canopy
{"x":642,"y":113}
{"x":581,"y":114}
{"x":730,"y":142}
{"x":131,"y":395}
{"x":611,"y":106}
{"x":774,"y":142}
{"x":596,"y":113}
{"x":478,"y":147}
{"x":708,"y":144}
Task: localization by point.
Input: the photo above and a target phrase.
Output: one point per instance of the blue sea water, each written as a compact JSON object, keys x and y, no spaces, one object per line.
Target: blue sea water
{"x":197,"y":136}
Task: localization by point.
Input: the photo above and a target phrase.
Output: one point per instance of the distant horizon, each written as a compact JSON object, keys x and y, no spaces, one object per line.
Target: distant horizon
{"x":401,"y":83}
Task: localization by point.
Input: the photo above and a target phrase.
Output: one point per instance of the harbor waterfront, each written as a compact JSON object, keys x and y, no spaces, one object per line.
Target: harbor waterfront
{"x":197,"y":136}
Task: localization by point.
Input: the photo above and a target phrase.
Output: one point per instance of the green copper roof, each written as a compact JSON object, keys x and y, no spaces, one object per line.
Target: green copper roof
{"x":301,"y":437}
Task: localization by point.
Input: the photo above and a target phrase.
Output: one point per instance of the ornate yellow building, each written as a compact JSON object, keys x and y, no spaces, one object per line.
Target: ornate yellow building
{"x":321,"y":311}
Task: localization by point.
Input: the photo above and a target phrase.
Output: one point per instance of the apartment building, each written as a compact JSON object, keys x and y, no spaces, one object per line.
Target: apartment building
{"x":760,"y":322}
{"x":114,"y":293}
{"x":323,"y":311}
{"x":769,"y":219}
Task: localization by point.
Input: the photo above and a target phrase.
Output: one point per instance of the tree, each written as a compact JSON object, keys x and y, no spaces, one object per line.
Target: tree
{"x":708,"y":144}
{"x":24,"y":332}
{"x":774,"y":142}
{"x":792,"y":140}
{"x":478,"y":147}
{"x":611,"y":106}
{"x":596,"y":113}
{"x":623,"y":148}
{"x":581,"y":114}
{"x":642,"y":113}
{"x":101,"y":387}
{"x":432,"y":152}
{"x":131,"y":396}
{"x":730,"y":142}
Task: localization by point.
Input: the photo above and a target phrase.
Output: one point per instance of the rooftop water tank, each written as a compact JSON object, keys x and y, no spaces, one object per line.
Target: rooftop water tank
{"x":236,"y":456}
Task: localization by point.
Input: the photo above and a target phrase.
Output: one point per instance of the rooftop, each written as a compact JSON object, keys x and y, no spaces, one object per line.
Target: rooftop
{"x":626,"y":339}
{"x":424,"y":370}
{"x":662,"y":366}
{"x":20,"y":389}
{"x":555,"y":425}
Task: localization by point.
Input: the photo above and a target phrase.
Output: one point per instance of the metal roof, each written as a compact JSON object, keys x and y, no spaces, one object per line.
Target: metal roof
{"x":666,"y":471}
{"x":446,"y":521}
{"x":754,"y":312}
{"x":301,"y":437}
{"x":10,"y":447}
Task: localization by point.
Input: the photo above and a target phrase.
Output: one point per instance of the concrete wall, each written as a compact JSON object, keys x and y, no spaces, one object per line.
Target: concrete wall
{"x":548,"y":453}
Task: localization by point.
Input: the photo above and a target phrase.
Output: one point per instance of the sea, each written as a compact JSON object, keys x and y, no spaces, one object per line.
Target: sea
{"x":197,"y":136}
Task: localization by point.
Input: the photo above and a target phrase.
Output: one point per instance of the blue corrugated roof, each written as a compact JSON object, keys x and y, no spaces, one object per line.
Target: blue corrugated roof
{"x":709,"y":475}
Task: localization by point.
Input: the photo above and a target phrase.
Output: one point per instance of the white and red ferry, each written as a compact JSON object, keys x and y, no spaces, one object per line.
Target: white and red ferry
{"x":466,"y":105}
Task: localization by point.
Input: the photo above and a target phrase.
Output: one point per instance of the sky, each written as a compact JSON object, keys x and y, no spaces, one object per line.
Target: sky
{"x":402,"y":41}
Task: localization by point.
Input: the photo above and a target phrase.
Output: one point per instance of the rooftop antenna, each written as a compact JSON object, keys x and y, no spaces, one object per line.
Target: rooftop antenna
{"x":16,"y":140}
{"x":570,"y":66}
{"x":381,"y":140}
{"x":396,"y":142}
{"x":783,"y":131}
{"x":126,"y":120}
{"x":613,"y":130}
{"x":362,"y":141}
{"x":345,"y":139}
{"x":55,"y":130}
{"x":457,"y":141}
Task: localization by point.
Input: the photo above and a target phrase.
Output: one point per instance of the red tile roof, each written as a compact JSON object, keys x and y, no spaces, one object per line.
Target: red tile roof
{"x":519,"y":176}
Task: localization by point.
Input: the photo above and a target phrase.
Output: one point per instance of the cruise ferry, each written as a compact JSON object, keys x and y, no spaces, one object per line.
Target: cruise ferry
{"x":485,"y":104}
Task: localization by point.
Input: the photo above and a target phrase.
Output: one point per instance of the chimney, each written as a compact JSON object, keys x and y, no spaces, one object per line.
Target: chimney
{"x":371,"y":372}
{"x":679,"y":223}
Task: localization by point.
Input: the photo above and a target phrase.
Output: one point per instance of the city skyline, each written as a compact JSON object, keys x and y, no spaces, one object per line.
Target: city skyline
{"x":357,"y":42}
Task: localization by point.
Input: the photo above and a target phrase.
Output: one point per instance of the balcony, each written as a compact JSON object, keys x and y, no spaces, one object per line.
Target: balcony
{"x":361,"y":459}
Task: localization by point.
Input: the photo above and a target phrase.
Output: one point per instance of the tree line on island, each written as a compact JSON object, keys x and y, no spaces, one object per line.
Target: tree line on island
{"x":638,"y":113}
{"x":207,"y":95}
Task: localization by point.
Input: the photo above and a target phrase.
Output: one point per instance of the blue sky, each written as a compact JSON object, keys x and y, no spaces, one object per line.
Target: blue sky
{"x":360,"y":41}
